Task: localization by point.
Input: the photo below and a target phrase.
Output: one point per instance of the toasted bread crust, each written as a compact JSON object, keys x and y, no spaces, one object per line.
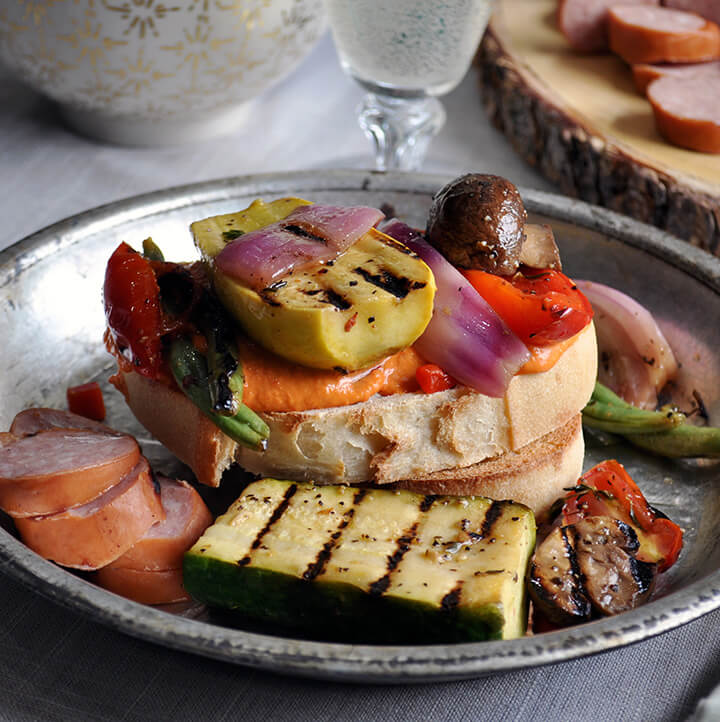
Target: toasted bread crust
{"x":384,"y":440}
{"x":534,"y":475}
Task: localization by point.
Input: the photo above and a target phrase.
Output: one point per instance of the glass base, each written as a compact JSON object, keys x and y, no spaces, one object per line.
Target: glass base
{"x":401,"y":128}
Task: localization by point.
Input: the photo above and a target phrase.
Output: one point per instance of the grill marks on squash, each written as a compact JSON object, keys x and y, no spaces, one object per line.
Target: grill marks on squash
{"x":465,"y":533}
{"x":345,"y":282}
{"x":398,"y":286}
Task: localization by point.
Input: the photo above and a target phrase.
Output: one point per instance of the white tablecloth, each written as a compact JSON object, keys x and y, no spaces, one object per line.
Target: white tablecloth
{"x":55,"y":665}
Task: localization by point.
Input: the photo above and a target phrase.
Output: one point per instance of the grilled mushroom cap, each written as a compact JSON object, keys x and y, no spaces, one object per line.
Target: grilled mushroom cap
{"x":588,"y":569}
{"x":477,"y":221}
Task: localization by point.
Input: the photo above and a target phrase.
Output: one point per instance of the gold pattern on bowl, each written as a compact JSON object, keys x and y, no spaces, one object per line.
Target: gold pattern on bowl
{"x":153,"y":59}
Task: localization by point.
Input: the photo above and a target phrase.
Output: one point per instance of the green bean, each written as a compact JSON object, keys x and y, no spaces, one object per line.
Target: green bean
{"x":664,"y":432}
{"x":681,"y":442}
{"x":190,"y":370}
{"x":152,"y":251}
{"x":629,"y":419}
{"x":226,"y":380}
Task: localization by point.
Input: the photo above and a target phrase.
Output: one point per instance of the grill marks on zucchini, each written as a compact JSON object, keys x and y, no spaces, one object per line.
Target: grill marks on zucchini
{"x":274,"y":517}
{"x":318,"y":566}
{"x":491,"y":516}
{"x":379,"y":587}
{"x":370,"y":565}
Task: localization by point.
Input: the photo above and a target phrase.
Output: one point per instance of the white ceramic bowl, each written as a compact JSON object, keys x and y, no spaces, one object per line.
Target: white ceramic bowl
{"x":146,"y":72}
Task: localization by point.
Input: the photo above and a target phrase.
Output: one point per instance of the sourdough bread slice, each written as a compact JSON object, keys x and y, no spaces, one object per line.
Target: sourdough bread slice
{"x":383,"y":440}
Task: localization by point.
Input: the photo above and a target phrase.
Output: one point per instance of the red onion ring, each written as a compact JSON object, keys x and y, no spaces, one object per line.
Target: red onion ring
{"x":636,"y":360}
{"x":310,"y":234}
{"x":465,"y":337}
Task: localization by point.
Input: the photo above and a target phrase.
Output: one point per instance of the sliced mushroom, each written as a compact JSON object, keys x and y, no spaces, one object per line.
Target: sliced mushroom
{"x":588,"y":569}
{"x":477,"y":221}
{"x":539,"y":249}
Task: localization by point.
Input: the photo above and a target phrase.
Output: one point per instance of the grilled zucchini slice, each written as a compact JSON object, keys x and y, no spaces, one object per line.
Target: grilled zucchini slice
{"x":382,"y":566}
{"x":373,"y":300}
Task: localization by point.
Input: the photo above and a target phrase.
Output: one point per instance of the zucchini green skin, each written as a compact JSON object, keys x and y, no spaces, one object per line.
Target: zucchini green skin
{"x":366,"y":566}
{"x":331,"y":611}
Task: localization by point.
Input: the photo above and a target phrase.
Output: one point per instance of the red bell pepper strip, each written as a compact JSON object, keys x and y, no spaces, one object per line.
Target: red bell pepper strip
{"x":608,"y":490}
{"x":541,"y":308}
{"x":432,"y":378}
{"x":86,"y":400}
{"x":132,"y":309}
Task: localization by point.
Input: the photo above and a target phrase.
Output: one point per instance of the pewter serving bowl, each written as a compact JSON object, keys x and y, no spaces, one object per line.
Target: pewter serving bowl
{"x":51,"y":323}
{"x":153,"y":73}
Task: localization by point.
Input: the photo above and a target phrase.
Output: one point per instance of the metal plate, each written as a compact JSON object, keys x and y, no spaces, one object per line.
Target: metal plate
{"x":51,"y":326}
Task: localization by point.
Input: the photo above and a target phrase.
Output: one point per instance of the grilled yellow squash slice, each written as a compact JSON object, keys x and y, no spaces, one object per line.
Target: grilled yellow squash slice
{"x":374,"y":299}
{"x":367,"y":565}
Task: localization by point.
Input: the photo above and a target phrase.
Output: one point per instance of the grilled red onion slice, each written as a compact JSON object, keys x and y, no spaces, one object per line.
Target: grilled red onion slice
{"x":636,"y":360}
{"x":310,"y":234}
{"x":465,"y":337}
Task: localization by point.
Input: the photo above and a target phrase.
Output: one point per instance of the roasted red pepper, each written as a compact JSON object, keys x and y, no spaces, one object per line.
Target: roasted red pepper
{"x":608,"y":490}
{"x":541,"y":308}
{"x":132,"y":309}
{"x":87,"y":400}
{"x":432,"y":378}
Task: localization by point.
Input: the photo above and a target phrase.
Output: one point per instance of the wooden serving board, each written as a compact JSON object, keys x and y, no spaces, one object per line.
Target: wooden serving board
{"x":579,"y":119}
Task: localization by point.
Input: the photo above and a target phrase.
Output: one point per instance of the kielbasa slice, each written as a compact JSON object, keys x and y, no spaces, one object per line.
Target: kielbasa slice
{"x":709,"y":9}
{"x":163,"y":545}
{"x":146,"y":587}
{"x":584,"y":22}
{"x":30,"y":421}
{"x":687,"y":111}
{"x":661,"y":35}
{"x":55,"y":470}
{"x":645,"y":73}
{"x":92,"y":535}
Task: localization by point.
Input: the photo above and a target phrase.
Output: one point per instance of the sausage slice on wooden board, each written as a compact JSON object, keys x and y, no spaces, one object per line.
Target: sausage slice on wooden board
{"x":661,"y":35}
{"x":163,"y":545}
{"x":645,"y":73}
{"x":709,"y":9}
{"x":584,"y":22}
{"x":146,"y":587}
{"x":55,"y":470}
{"x":589,"y":568}
{"x":92,"y":535}
{"x":687,"y":111}
{"x":30,"y":421}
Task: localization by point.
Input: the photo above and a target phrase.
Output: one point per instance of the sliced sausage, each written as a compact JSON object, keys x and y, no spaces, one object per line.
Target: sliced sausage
{"x":7,"y":438}
{"x":645,"y":73}
{"x":687,"y":111}
{"x":709,"y":9}
{"x":146,"y":587}
{"x":661,"y":35}
{"x":58,"y":469}
{"x":584,"y":22}
{"x":163,"y":545}
{"x":30,"y":421}
{"x":92,"y":535}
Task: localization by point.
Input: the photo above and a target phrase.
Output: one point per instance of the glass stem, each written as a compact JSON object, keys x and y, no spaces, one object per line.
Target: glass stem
{"x":401,"y":128}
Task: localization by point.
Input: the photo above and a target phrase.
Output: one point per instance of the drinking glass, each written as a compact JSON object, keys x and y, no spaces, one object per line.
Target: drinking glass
{"x":405,"y":53}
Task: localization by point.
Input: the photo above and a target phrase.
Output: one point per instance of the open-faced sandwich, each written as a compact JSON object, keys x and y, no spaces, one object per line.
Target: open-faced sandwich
{"x":328,"y":344}
{"x":417,"y":396}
